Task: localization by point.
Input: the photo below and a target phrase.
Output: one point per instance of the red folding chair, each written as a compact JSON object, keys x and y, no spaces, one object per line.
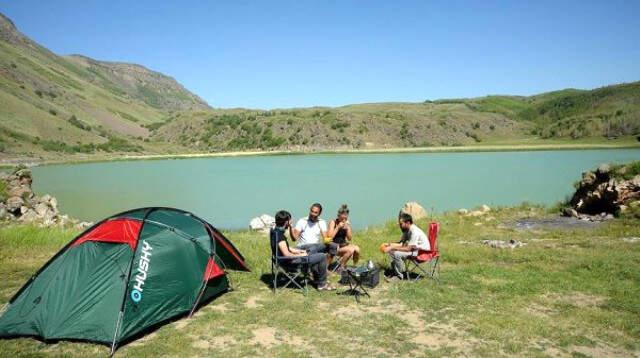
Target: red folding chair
{"x":426,"y":263}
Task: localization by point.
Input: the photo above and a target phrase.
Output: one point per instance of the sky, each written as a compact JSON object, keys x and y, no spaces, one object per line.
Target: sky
{"x":282,"y":54}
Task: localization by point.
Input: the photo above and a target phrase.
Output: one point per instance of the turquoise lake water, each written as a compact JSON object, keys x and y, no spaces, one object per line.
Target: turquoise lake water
{"x":229,"y":191}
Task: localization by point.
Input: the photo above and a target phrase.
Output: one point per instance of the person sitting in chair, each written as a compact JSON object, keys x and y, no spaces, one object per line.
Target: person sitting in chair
{"x":292,"y":256}
{"x":412,"y":240}
{"x":309,"y":232}
{"x":341,"y":233}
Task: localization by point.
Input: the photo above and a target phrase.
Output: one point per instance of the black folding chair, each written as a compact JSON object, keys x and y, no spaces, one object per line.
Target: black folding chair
{"x":292,"y":269}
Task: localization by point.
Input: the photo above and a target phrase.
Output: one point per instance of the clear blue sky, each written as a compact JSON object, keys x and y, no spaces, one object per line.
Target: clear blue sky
{"x":270,"y":54}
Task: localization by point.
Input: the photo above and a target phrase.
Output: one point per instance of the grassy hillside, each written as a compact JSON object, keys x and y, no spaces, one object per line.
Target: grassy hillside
{"x":356,"y":126}
{"x":569,"y":115}
{"x":568,"y":292}
{"x":611,"y":111}
{"x":75,"y":104}
{"x":74,"y":107}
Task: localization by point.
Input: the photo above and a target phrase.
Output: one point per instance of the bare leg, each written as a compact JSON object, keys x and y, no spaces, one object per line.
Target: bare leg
{"x":346,"y":253}
{"x":356,"y":254}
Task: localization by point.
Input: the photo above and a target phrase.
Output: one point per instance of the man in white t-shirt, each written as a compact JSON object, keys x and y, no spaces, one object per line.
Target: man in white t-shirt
{"x":309,"y":233}
{"x":413,"y":239}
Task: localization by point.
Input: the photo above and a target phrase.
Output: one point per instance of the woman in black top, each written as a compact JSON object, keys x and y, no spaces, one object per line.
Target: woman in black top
{"x":341,"y":233}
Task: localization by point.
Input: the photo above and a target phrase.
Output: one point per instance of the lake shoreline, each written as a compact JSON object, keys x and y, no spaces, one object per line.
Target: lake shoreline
{"x":440,"y":149}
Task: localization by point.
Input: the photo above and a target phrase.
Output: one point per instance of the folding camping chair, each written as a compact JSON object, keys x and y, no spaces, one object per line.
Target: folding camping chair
{"x":292,"y":272}
{"x":426,"y":263}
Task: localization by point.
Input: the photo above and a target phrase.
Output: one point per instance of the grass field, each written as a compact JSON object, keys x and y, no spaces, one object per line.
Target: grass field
{"x":566,"y":293}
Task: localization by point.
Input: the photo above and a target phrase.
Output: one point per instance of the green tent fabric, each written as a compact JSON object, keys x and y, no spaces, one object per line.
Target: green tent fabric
{"x":122,"y":276}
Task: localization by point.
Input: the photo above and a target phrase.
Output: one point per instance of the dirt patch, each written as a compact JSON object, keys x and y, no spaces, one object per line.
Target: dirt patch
{"x":602,"y":350}
{"x":578,"y":299}
{"x":222,"y":308}
{"x":144,"y":339}
{"x":182,"y":323}
{"x":252,"y":302}
{"x":539,"y":310}
{"x":264,"y":336}
{"x":267,"y":337}
{"x":214,"y":342}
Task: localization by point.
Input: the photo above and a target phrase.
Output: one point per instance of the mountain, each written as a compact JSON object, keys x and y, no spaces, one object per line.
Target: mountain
{"x":75,"y":103}
{"x":74,"y":106}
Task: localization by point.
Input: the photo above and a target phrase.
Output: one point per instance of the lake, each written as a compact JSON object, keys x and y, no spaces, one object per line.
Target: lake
{"x":229,"y":191}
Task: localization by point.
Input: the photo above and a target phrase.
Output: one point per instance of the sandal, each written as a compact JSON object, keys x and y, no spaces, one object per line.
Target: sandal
{"x":326,"y":287}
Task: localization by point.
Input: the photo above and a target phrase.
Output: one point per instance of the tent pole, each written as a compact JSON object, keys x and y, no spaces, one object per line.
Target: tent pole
{"x":4,"y":308}
{"x":126,"y":283}
{"x":202,"y":289}
{"x":115,"y":334}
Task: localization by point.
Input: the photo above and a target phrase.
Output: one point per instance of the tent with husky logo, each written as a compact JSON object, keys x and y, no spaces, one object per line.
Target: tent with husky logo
{"x":125,"y":274}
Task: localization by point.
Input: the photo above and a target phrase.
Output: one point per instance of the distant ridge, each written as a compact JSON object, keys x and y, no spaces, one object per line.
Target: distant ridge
{"x":76,"y":106}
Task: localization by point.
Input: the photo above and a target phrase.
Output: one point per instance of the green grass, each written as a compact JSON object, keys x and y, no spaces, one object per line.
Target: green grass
{"x":626,"y":171}
{"x":566,"y":292}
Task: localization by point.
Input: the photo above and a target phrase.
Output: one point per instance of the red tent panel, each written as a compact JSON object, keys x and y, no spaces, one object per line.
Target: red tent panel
{"x":212,"y":271}
{"x":124,"y":231}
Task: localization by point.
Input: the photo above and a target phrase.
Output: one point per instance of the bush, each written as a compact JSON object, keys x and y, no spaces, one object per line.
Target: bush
{"x":3,"y":191}
{"x":119,"y":145}
{"x":53,"y":112}
{"x":78,"y":123}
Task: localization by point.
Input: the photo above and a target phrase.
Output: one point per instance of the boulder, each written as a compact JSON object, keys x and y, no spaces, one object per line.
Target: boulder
{"x":603,"y":169}
{"x":463,"y":211}
{"x":263,"y":222}
{"x":28,"y":216}
{"x":14,"y":204}
{"x":41,"y":209}
{"x":415,"y":210}
{"x":53,"y":202}
{"x":22,"y":191}
{"x":485,"y":208}
{"x":605,"y":190}
{"x":83,"y":225}
{"x":63,"y":220}
{"x":570,"y":212}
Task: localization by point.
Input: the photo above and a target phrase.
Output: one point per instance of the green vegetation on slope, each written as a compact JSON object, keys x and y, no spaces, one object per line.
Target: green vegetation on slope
{"x":82,"y":103}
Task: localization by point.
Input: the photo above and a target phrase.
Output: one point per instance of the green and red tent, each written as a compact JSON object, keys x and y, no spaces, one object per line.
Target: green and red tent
{"x":125,"y":274}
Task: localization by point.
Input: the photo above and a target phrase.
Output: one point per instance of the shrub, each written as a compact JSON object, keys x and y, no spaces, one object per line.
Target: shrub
{"x":53,"y":112}
{"x":119,"y":145}
{"x":78,"y":123}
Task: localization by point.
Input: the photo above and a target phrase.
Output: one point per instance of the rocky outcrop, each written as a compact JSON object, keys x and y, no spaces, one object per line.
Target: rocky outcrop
{"x":606,"y":191}
{"x":415,"y":210}
{"x":18,"y":203}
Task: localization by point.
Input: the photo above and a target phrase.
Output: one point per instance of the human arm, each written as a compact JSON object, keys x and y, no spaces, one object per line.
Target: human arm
{"x":284,"y":249}
{"x":403,"y":248}
{"x":334,"y":228}
{"x":294,"y":232}
{"x":391,"y":246}
{"x":349,"y":231}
